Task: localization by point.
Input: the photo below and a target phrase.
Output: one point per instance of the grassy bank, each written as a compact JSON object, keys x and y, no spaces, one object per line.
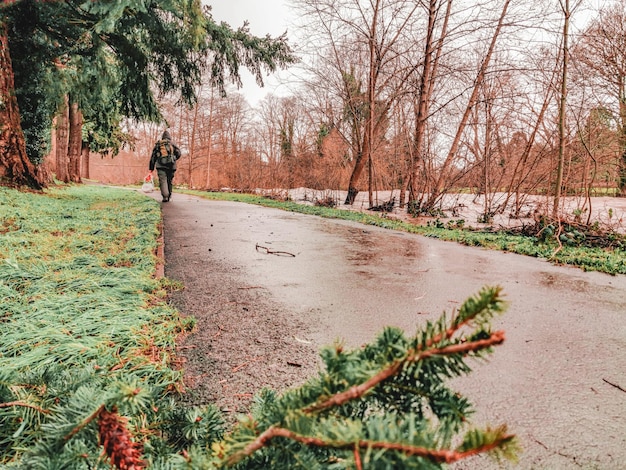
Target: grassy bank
{"x":607,"y":260}
{"x":84,"y":324}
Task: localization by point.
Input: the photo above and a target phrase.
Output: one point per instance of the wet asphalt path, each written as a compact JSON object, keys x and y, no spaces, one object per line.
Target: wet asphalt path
{"x":566,"y":329}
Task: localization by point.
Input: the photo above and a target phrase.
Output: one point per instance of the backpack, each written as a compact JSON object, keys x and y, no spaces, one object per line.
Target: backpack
{"x":166,"y":152}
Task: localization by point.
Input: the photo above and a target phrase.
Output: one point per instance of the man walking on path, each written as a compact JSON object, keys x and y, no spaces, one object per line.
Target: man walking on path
{"x":164,"y":157}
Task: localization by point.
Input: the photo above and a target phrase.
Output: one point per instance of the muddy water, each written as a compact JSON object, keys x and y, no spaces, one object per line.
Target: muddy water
{"x":566,"y":329}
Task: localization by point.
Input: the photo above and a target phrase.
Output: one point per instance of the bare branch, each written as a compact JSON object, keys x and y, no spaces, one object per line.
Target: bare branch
{"x":24,"y":405}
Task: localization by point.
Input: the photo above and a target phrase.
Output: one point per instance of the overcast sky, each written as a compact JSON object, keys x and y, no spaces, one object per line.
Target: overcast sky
{"x":264,"y":17}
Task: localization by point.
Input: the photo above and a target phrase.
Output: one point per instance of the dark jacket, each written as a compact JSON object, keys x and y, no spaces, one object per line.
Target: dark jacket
{"x":154,"y":159}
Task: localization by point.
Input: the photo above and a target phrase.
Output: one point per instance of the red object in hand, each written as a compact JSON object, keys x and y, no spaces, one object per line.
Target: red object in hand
{"x":148,"y":177}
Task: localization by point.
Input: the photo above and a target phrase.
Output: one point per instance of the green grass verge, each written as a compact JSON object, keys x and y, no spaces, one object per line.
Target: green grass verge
{"x":611,"y":261}
{"x":83,"y":321}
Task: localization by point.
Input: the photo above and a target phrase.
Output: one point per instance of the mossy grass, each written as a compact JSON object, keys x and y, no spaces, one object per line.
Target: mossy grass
{"x":607,"y":260}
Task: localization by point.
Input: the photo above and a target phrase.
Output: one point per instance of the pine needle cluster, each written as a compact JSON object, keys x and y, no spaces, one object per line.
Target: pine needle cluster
{"x":386,"y":405}
{"x":88,"y":377}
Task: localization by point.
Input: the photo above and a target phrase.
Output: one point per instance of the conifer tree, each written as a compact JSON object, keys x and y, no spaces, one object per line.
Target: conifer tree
{"x":15,"y":167}
{"x":140,"y":49}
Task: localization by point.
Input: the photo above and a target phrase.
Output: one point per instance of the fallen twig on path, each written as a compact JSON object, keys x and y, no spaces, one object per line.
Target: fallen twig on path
{"x":267,"y":251}
{"x":241,"y":366}
{"x":614,"y":385}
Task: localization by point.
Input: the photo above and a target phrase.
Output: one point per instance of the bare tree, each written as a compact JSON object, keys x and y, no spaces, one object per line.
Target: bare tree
{"x":362,"y":41}
{"x":567,"y":13}
{"x":232,"y":135}
{"x":193,"y":168}
{"x":446,"y":167}
{"x":268,"y":133}
{"x":433,"y":48}
{"x":601,"y":53}
{"x":524,"y":149}
{"x":209,"y":139}
{"x":192,"y":138}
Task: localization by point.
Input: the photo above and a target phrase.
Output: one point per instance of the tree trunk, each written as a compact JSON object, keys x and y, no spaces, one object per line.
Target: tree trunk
{"x":62,"y":134}
{"x":84,"y":160}
{"x":192,"y":141}
{"x":622,"y":140}
{"x":622,"y":175}
{"x":371,"y":98}
{"x":359,"y":164}
{"x":210,"y":141}
{"x":358,"y":153}
{"x":75,"y":143}
{"x":425,"y":95}
{"x":562,"y":110}
{"x":368,"y":137}
{"x":15,"y":167}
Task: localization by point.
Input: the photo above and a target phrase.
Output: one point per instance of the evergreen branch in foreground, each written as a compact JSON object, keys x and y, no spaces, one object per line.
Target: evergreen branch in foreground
{"x":473,"y":309}
{"x":388,"y":398}
{"x":358,"y":391}
{"x":435,"y":455}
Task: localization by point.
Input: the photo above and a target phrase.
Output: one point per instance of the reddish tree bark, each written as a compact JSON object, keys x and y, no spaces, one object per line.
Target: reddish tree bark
{"x":84,"y":162}
{"x":15,"y":167}
{"x":62,"y":137}
{"x":75,"y":143}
